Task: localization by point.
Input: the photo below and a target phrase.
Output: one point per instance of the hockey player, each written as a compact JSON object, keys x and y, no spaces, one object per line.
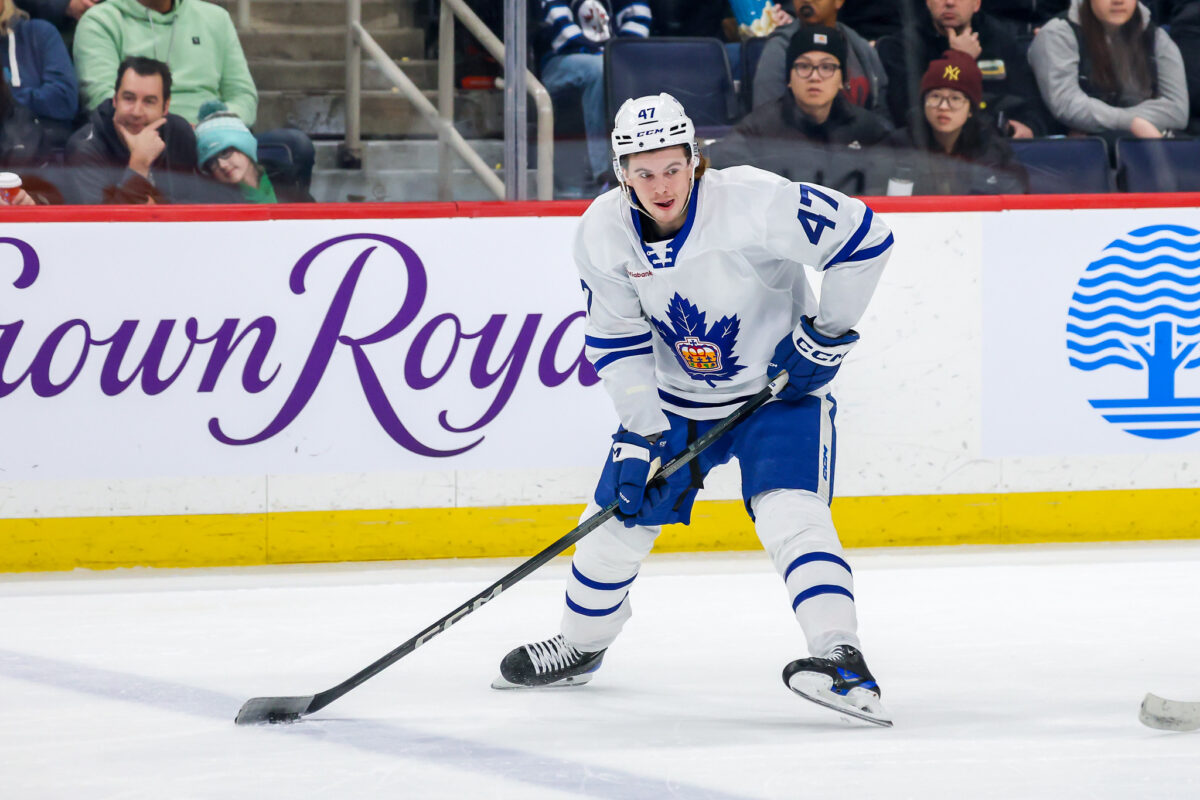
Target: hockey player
{"x":696,"y":293}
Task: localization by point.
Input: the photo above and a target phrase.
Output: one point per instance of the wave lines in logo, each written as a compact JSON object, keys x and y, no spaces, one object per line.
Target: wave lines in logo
{"x":1137,"y":308}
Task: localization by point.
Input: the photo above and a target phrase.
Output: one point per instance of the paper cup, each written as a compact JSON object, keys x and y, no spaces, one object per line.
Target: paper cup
{"x":10,"y":186}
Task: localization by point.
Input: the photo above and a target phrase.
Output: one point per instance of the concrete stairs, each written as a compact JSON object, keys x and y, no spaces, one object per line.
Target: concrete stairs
{"x":401,"y":171}
{"x":296,"y":52}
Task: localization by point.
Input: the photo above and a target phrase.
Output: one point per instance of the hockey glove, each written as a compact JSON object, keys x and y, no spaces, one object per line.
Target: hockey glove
{"x":810,"y":358}
{"x":632,"y":461}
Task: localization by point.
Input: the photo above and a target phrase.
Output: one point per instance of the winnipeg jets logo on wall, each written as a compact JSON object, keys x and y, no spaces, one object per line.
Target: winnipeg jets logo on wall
{"x":1135,"y":320}
{"x":593,"y":19}
{"x":705,"y":353}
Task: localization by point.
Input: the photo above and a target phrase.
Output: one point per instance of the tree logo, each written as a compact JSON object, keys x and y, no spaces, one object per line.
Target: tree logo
{"x":1137,"y":307}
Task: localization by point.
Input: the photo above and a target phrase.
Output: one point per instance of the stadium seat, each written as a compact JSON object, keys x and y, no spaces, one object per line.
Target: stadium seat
{"x":1071,"y":165}
{"x":751,"y":49}
{"x":289,"y":147}
{"x":694,"y":70}
{"x":1158,"y":165}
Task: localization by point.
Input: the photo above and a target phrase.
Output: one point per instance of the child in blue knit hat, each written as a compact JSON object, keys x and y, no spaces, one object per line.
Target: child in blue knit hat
{"x":227,"y":150}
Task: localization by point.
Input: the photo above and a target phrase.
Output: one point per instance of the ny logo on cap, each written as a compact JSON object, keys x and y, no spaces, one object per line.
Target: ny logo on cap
{"x":951,"y":73}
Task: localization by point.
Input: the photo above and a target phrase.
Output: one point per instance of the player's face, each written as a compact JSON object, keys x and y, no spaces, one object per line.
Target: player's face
{"x":661,"y":179}
{"x":818,"y":12}
{"x":138,"y":101}
{"x":815,"y":80}
{"x":947,"y":110}
{"x":952,"y":14}
{"x":1114,"y":13}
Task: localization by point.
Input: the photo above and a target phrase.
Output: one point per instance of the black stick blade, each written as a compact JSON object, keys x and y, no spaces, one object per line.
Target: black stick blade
{"x":262,"y":710}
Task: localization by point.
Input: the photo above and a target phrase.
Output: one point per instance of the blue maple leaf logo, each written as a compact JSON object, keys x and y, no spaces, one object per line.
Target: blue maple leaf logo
{"x":706,"y":354}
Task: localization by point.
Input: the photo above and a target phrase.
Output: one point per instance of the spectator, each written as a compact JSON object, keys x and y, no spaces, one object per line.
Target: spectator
{"x":38,"y":71}
{"x":1185,"y":32}
{"x":1025,"y":17}
{"x":228,"y":152}
{"x":1105,"y":68}
{"x":62,"y":14}
{"x":1010,"y":98}
{"x":865,"y":82}
{"x":950,"y":150}
{"x":196,"y":39}
{"x":133,"y":150}
{"x":799,"y":135}
{"x":571,"y":39}
{"x":20,"y":148}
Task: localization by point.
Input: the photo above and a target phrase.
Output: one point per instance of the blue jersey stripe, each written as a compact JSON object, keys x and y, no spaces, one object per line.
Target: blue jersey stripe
{"x":808,"y":558}
{"x":676,"y":400}
{"x":824,"y":588}
{"x":854,"y":241}
{"x":871,"y":252}
{"x":592,"y":612}
{"x":602,"y":343}
{"x":601,"y":363}
{"x":591,"y":584}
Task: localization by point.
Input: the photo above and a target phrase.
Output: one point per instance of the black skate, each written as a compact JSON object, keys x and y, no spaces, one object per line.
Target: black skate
{"x":840,"y":681}
{"x":549,"y":663}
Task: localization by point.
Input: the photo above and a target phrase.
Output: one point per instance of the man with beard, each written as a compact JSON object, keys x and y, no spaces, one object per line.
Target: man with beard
{"x":1010,"y":98}
{"x":864,"y":77}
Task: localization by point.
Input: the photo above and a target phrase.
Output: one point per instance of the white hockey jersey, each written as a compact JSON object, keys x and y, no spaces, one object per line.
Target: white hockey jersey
{"x":689,"y":324}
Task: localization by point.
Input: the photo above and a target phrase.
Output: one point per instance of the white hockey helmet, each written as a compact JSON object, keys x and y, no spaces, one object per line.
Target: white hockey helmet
{"x":651,"y":123}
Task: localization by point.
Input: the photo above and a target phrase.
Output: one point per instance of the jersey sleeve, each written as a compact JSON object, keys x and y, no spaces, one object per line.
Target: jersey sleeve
{"x":618,"y":340}
{"x":837,"y":235}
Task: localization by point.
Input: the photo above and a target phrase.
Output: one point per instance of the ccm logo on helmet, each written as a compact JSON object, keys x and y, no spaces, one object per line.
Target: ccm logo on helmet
{"x":649,"y":133}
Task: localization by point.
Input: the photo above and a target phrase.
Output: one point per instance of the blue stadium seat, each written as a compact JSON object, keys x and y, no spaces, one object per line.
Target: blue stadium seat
{"x":290,"y":147}
{"x":695,"y":70}
{"x":1158,"y":165}
{"x":751,"y":49}
{"x":1070,"y":165}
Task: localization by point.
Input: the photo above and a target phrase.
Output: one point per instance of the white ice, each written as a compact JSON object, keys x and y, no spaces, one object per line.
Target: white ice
{"x":1011,"y":673}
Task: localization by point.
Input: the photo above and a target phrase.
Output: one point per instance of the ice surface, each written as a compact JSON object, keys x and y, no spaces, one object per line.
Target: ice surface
{"x":1011,"y":673}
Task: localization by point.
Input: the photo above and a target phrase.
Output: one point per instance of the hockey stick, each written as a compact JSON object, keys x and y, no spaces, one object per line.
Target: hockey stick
{"x":1169,"y":715}
{"x":259,"y":710}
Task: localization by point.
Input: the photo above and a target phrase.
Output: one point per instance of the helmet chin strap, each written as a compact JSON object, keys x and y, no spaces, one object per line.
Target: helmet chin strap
{"x":637,"y":205}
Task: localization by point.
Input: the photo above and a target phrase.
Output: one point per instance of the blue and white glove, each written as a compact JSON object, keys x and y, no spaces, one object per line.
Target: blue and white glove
{"x":634,"y":459}
{"x":810,"y":358}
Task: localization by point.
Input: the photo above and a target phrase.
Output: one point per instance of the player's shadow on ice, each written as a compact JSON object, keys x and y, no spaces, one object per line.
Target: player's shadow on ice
{"x":374,"y":736}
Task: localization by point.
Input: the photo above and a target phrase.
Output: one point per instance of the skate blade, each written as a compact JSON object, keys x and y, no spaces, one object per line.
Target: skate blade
{"x":859,"y":703}
{"x":575,"y":680}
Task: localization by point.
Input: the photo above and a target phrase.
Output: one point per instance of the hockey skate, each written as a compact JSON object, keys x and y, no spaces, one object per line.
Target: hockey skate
{"x":840,"y":681}
{"x":546,"y":664}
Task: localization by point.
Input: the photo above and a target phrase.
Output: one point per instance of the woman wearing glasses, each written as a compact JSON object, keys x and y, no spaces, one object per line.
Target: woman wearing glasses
{"x":950,"y":150}
{"x":799,"y":134}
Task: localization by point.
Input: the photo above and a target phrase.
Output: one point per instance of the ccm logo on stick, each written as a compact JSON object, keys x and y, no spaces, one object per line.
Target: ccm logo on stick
{"x":462,"y":612}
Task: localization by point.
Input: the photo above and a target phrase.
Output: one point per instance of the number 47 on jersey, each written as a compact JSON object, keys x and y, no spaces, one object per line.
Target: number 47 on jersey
{"x":814,"y":223}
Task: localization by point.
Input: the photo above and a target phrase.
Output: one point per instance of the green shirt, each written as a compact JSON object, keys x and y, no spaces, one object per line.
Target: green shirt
{"x":265,"y":193}
{"x":195,"y":38}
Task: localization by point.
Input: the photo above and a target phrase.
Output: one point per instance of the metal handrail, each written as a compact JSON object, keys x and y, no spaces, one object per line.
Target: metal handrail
{"x":442,"y":117}
{"x":243,"y":15}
